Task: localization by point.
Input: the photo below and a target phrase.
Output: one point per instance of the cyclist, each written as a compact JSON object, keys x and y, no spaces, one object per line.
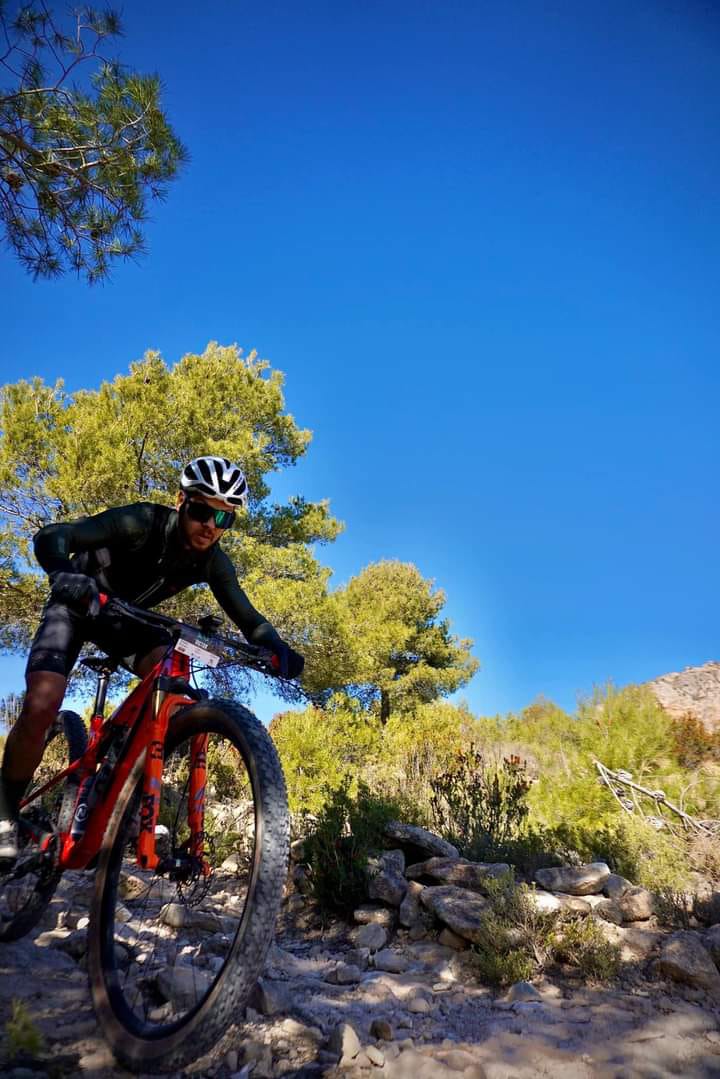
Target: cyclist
{"x":142,"y":553}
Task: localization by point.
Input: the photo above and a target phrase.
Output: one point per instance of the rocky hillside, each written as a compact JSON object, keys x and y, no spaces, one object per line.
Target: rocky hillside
{"x":695,"y":690}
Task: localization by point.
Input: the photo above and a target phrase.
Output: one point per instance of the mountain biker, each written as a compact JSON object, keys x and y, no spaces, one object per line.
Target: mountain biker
{"x":142,"y":553}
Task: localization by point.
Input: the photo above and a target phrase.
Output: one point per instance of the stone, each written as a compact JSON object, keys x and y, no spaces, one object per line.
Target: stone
{"x":370,"y":936}
{"x":711,"y":940}
{"x":574,"y":904}
{"x":616,"y":886}
{"x":637,"y":943}
{"x":458,"y":871}
{"x":684,"y":959}
{"x":302,"y":880}
{"x":381,"y":1029}
{"x":451,"y":940}
{"x":184,"y":986}
{"x":385,"y":877}
{"x":522,"y":991}
{"x":409,"y":912}
{"x":706,"y":908}
{"x":375,"y":1055}
{"x":411,"y":1064}
{"x":419,"y":1006}
{"x":610,"y":910}
{"x":344,"y":1042}
{"x":544,"y":902}
{"x":637,"y":905}
{"x":390,"y":961}
{"x":368,"y":913}
{"x":298,"y":850}
{"x":461,"y":910}
{"x":345,"y":974}
{"x":414,"y":836}
{"x":574,"y":880}
{"x":268,"y":998}
{"x":174,"y":915}
{"x":358,"y":957}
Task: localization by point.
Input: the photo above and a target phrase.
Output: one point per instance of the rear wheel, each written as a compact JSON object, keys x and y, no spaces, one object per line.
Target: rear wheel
{"x":174,"y":953}
{"x":27,"y":889}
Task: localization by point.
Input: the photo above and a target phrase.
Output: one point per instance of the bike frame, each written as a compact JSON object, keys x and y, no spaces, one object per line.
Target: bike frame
{"x":146,"y":713}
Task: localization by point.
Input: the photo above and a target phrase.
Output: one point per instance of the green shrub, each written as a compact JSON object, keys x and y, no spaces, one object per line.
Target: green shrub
{"x":480,"y":806}
{"x":579,"y":941}
{"x":23,"y":1037}
{"x":347,"y":829}
{"x":514,"y":937}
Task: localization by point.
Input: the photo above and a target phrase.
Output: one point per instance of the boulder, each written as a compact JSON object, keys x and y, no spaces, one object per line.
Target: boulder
{"x":458,"y":871}
{"x":381,"y":1029}
{"x":344,"y":1042}
{"x":461,"y":910}
{"x":544,"y":902}
{"x":575,"y":880}
{"x":685,"y":959}
{"x":522,"y":991}
{"x":409,"y":913}
{"x":616,"y":886}
{"x":370,"y":936}
{"x":706,"y":907}
{"x":184,"y":986}
{"x":385,"y":877}
{"x":391,"y":962}
{"x":367,"y":914}
{"x":637,"y":905}
{"x":610,"y":911}
{"x":711,"y":940}
{"x":575,"y":904}
{"x":413,"y":836}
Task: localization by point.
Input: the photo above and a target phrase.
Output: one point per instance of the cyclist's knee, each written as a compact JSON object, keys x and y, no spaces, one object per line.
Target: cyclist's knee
{"x":43,"y":698}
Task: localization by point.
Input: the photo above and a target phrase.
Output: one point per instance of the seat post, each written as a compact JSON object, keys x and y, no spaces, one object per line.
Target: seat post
{"x":101,"y":692}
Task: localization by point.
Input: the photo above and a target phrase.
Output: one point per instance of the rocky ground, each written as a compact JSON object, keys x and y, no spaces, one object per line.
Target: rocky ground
{"x":402,"y":1000}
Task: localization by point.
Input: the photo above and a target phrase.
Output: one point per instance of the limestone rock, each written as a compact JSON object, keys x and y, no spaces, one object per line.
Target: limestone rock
{"x":381,"y":1029}
{"x":268,"y":998}
{"x":706,"y":908}
{"x":522,"y":991}
{"x":368,"y":913}
{"x":370,"y":936}
{"x":574,"y":880}
{"x":414,"y":836}
{"x":390,"y":961}
{"x":574,"y":904}
{"x":409,"y":912}
{"x":461,"y":910}
{"x":711,"y":941}
{"x":385,"y":878}
{"x":616,"y":886}
{"x":637,"y":905}
{"x":458,"y":871}
{"x":685,"y":959}
{"x":345,"y":974}
{"x":451,"y":940}
{"x":610,"y":911}
{"x":695,"y":690}
{"x":544,"y":902}
{"x":344,"y":1042}
{"x":184,"y":986}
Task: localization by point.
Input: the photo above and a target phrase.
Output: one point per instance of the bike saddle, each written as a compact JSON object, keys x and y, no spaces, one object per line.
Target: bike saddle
{"x":101,"y":664}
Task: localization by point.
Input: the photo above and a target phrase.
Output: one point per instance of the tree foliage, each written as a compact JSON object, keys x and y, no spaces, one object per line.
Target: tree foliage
{"x":78,"y":162}
{"x":66,"y":455}
{"x":405,"y":654}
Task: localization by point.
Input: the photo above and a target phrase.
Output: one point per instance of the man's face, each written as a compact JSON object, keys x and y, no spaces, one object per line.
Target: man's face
{"x":199,"y":535}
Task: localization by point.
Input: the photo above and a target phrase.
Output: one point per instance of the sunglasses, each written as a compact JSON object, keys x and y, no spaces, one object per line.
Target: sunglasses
{"x":201,"y":512}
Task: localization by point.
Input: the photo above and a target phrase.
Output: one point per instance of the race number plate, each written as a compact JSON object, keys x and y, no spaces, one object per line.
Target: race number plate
{"x":198,"y":649}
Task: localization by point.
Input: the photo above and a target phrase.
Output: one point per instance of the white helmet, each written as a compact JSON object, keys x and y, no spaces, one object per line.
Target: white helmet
{"x":216,"y":477}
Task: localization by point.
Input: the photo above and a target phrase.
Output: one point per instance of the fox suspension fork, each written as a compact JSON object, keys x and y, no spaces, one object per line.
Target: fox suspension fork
{"x":196,"y":807}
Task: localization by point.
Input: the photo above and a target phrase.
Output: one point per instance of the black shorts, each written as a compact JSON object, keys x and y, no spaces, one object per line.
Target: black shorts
{"x":63,"y":631}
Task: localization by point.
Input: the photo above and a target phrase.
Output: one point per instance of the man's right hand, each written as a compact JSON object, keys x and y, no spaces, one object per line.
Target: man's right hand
{"x":77,"y":590}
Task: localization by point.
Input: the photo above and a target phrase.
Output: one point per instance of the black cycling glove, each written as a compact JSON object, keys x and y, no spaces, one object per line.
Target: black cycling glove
{"x":291,"y":662}
{"x":77,"y":590}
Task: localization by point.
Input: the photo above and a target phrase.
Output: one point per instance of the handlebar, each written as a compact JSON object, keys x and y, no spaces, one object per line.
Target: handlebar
{"x":261,"y":659}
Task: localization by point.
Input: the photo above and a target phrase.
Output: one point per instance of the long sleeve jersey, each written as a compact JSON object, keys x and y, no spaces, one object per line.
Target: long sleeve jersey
{"x":136,"y":552}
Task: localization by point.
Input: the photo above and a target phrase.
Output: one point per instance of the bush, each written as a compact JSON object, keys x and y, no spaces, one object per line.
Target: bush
{"x":347,"y":829}
{"x":579,"y":941}
{"x":478,"y":806}
{"x":514,"y":937}
{"x":23,"y":1037}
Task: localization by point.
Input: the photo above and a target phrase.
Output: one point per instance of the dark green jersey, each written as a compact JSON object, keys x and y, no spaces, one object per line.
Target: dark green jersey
{"x":137,"y":553}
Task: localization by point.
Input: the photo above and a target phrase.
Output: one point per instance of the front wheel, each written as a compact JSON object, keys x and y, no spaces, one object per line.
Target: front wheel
{"x":175,"y":952}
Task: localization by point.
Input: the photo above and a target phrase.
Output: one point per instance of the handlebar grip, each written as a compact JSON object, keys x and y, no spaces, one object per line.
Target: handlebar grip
{"x":103,"y":598}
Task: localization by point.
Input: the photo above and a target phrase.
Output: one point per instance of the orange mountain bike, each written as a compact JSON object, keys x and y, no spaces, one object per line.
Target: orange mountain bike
{"x":179,"y":801}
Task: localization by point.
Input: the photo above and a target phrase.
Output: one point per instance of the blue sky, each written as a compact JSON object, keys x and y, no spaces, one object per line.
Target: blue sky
{"x":481,"y":240}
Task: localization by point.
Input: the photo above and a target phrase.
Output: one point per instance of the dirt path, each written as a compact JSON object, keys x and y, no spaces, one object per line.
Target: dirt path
{"x":317,"y":1002}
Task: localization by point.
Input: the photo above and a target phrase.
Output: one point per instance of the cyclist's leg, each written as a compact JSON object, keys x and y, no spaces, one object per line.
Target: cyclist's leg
{"x":52,"y":655}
